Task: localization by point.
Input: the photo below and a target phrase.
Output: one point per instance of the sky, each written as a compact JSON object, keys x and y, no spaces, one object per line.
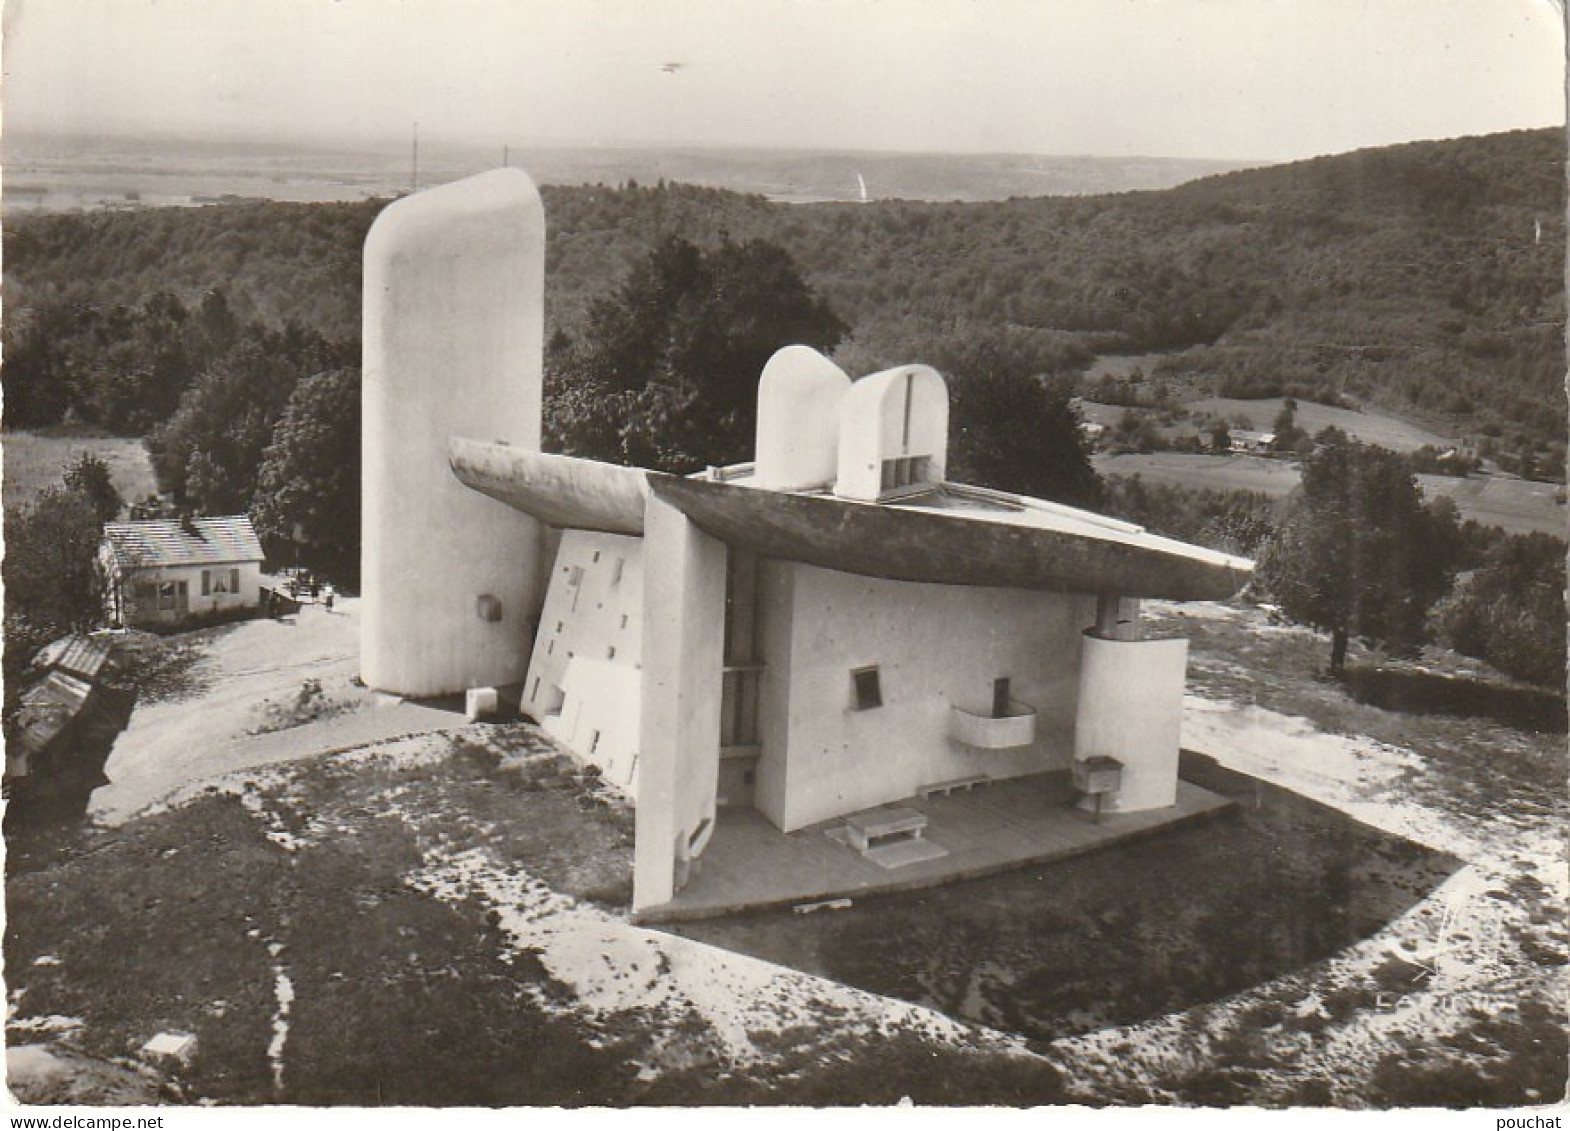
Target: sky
{"x":1226,"y":79}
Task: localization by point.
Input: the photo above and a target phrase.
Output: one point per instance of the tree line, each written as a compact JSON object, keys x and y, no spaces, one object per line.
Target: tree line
{"x":664,"y":302}
{"x":1419,"y":276}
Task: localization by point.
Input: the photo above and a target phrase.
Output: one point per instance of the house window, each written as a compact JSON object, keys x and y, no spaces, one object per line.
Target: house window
{"x":220,"y":581}
{"x":867,"y":691}
{"x":172,"y":596}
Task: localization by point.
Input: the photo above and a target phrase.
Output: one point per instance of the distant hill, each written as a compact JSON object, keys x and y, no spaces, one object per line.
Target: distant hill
{"x":1427,"y":278}
{"x":47,"y":172}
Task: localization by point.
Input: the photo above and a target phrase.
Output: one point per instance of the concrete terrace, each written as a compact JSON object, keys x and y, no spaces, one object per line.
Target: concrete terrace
{"x":749,"y":864}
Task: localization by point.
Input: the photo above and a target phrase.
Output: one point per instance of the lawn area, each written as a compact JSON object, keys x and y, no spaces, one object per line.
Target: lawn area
{"x":1367,"y":426}
{"x":34,"y":461}
{"x":1516,"y":506}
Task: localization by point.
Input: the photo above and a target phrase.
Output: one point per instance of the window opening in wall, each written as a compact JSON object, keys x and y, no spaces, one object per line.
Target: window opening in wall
{"x":220,"y":581}
{"x":910,"y":380}
{"x":535,"y":692}
{"x":594,"y":741}
{"x":904,"y":471}
{"x":867,"y":688}
{"x":550,"y":647}
{"x":1000,"y":697}
{"x":558,"y":626}
{"x":596,"y":556}
{"x":698,"y":833}
{"x":616,"y":574}
{"x":610,"y":653}
{"x":624,"y":620}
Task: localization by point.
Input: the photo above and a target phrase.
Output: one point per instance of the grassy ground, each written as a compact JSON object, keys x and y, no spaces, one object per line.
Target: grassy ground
{"x":1514,"y":505}
{"x":296,"y":923}
{"x":34,"y":461}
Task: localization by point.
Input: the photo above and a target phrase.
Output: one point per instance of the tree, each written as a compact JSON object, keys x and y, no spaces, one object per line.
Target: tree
{"x":1359,"y":554}
{"x":1010,"y":430}
{"x":308,"y":489}
{"x":207,"y":454}
{"x":1511,"y":610}
{"x":666,"y":373}
{"x":1286,"y":430}
{"x":89,"y":477}
{"x":53,"y":583}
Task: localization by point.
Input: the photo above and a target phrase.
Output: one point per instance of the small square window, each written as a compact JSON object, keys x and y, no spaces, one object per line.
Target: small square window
{"x":867,"y":688}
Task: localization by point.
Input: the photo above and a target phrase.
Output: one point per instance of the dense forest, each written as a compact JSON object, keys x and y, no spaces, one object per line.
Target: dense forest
{"x":1423,"y":277}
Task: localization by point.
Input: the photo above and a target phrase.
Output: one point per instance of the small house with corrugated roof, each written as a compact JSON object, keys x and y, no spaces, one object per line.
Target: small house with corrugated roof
{"x":166,"y":572}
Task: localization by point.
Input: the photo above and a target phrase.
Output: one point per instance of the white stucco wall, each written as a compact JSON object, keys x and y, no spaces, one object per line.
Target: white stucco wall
{"x":936,"y":646}
{"x":454,"y":291}
{"x":584,"y":677}
{"x":898,"y":412}
{"x":679,"y":725}
{"x":799,"y":399}
{"x":1131,"y":709}
{"x":247,"y":596}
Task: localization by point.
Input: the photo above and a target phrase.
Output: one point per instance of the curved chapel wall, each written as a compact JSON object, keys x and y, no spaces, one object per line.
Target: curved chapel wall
{"x":893,"y":434}
{"x":1131,"y":708}
{"x":799,"y":398}
{"x":453,"y":325}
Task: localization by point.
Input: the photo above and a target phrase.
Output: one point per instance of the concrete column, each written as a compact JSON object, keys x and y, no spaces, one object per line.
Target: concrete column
{"x":1117,"y":618}
{"x":679,"y":726}
{"x":454,"y":309}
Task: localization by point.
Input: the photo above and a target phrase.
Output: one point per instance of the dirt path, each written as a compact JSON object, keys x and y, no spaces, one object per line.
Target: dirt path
{"x":257,"y":680}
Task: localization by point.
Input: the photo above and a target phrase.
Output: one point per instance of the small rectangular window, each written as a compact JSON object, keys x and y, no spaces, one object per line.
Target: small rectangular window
{"x":624,"y":620}
{"x":594,"y":741}
{"x":867,"y":688}
{"x":616,"y":571}
{"x":207,"y":582}
{"x":596,"y":555}
{"x":610,"y":653}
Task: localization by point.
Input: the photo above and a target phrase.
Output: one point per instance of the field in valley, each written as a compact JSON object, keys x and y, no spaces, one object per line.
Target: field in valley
{"x":1517,"y":506}
{"x":34,"y":461}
